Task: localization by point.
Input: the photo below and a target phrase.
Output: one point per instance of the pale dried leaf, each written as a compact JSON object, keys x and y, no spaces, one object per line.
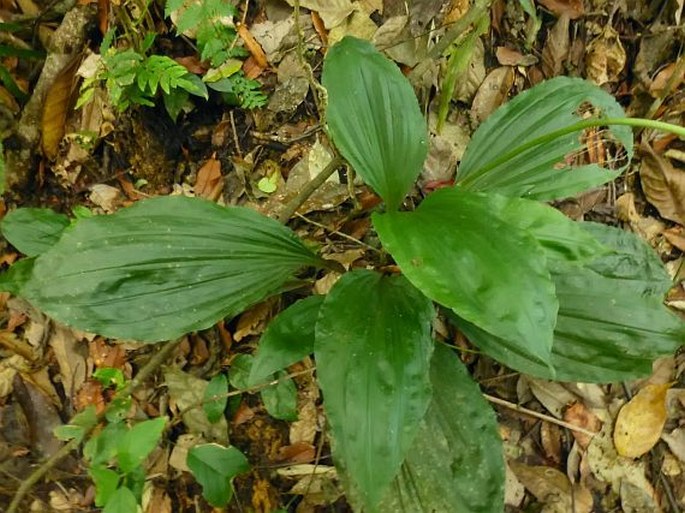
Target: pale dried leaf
{"x":553,"y":396}
{"x":556,"y":48}
{"x":509,"y":57}
{"x":492,"y":93}
{"x":547,"y":485}
{"x":637,"y":500}
{"x":514,"y":491}
{"x":676,"y":442}
{"x":663,"y":184}
{"x":605,"y":57}
{"x":640,"y":422}
{"x":179,"y":454}
{"x":71,"y":356}
{"x":106,"y":197}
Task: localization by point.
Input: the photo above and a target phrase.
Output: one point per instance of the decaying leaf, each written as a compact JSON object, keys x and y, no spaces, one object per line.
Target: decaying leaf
{"x":556,"y":48}
{"x":56,"y":107}
{"x":605,"y":57}
{"x":663,"y":184}
{"x":574,"y":9}
{"x":209,"y":182}
{"x":492,"y":93}
{"x":640,"y":422}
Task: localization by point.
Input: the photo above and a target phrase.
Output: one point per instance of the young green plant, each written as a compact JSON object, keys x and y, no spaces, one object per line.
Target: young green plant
{"x":410,"y":431}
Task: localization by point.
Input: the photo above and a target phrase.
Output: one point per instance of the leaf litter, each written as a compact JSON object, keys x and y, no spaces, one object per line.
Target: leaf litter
{"x":91,"y":154}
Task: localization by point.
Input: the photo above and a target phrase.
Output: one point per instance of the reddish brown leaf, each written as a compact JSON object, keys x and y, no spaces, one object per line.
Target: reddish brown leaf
{"x":578,"y":415}
{"x":209,"y":182}
{"x":556,"y":48}
{"x":300,"y":452}
{"x":253,"y":46}
{"x":492,"y":92}
{"x":574,"y":9}
{"x":58,"y":101}
{"x":663,"y":184}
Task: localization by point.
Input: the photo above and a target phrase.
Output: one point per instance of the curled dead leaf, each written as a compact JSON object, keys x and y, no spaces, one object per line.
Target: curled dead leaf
{"x":58,"y":101}
{"x":640,"y":421}
{"x":664,"y":185}
{"x":605,"y":57}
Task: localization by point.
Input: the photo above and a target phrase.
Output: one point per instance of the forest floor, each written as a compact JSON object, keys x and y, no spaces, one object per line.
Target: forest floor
{"x":102,"y":158}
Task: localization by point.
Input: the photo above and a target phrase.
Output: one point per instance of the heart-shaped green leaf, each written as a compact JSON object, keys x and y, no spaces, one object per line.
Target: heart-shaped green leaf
{"x":373,"y":348}
{"x":216,"y":398}
{"x":121,"y":501}
{"x":138,"y":443}
{"x":374,"y":118}
{"x":523,"y":148}
{"x":456,"y":462}
{"x":489,"y":272}
{"x":214,"y":467}
{"x":163,"y":267}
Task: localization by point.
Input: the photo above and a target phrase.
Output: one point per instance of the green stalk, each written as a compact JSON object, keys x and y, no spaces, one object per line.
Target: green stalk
{"x":577,"y":127}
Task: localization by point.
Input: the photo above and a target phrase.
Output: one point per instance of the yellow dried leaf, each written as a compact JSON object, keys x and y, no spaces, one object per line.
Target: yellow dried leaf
{"x":640,"y":421}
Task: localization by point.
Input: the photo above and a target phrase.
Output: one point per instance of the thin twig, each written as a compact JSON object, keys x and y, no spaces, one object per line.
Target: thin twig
{"x":537,"y":415}
{"x":308,"y":189}
{"x":150,"y":367}
{"x":338,"y":233}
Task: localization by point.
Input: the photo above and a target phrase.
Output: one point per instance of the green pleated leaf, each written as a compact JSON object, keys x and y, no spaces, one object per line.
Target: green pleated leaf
{"x":561,"y":238}
{"x":374,"y":118}
{"x":287,"y":339}
{"x":214,"y":467}
{"x":373,"y":348}
{"x":163,"y":267}
{"x":456,"y":462}
{"x":490,"y":273}
{"x":33,"y":230}
{"x":540,"y":171}
{"x":612,"y":322}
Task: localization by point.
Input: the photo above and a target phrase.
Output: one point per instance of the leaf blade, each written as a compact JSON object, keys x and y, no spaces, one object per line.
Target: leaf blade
{"x":373,"y":350}
{"x":33,"y":230}
{"x":539,"y":171}
{"x":214,"y":467}
{"x":377,"y":126}
{"x":445,"y":249}
{"x":164,"y":267}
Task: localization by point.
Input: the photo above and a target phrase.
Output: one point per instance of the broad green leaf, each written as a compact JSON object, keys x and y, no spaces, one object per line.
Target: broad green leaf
{"x":456,"y":462}
{"x":110,"y":377}
{"x":138,"y":443}
{"x":33,"y":230}
{"x":612,"y":322}
{"x":101,"y":448}
{"x":287,"y":339}
{"x":540,"y":171}
{"x":19,"y":273}
{"x":280,"y":400}
{"x":240,"y":369}
{"x":121,"y":501}
{"x":373,"y":348}
{"x":79,"y":424}
{"x":215,"y":398}
{"x":106,"y":482}
{"x":214,"y":467}
{"x":560,"y":237}
{"x":374,"y":118}
{"x":458,"y":253}
{"x":163,"y":267}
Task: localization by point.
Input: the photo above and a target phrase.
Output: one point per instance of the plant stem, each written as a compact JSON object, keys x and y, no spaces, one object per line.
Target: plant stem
{"x":308,"y":189}
{"x":150,"y":367}
{"x":577,"y":127}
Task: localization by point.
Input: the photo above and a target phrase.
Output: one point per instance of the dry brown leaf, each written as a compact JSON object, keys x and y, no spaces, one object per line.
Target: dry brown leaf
{"x":58,"y":101}
{"x":578,"y":415}
{"x":71,"y":357}
{"x":605,"y":57}
{"x":253,"y":46}
{"x":547,"y":484}
{"x":209,"y":182}
{"x":656,"y":88}
{"x":676,"y":442}
{"x":663,"y":184}
{"x":492,"y":93}
{"x":555,"y":51}
{"x":254,"y":320}
{"x":640,"y":421}
{"x":574,"y":9}
{"x":550,"y":439}
{"x":508,"y":57}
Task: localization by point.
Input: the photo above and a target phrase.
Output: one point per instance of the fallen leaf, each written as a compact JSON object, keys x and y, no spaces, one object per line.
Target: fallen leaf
{"x":663,"y":184}
{"x":640,"y":421}
{"x":555,"y":51}
{"x":492,"y":93}
{"x":676,"y":442}
{"x":71,"y":357}
{"x":547,"y":485}
{"x":209,"y":182}
{"x":57,"y":104}
{"x":578,"y":415}
{"x":509,"y":57}
{"x":252,"y":46}
{"x":254,"y":320}
{"x":574,"y":9}
{"x":658,"y":85}
{"x":105,"y":196}
{"x":605,"y":57}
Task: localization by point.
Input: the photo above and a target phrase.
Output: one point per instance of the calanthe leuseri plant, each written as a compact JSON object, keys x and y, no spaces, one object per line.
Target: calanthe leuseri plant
{"x":410,"y":431}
